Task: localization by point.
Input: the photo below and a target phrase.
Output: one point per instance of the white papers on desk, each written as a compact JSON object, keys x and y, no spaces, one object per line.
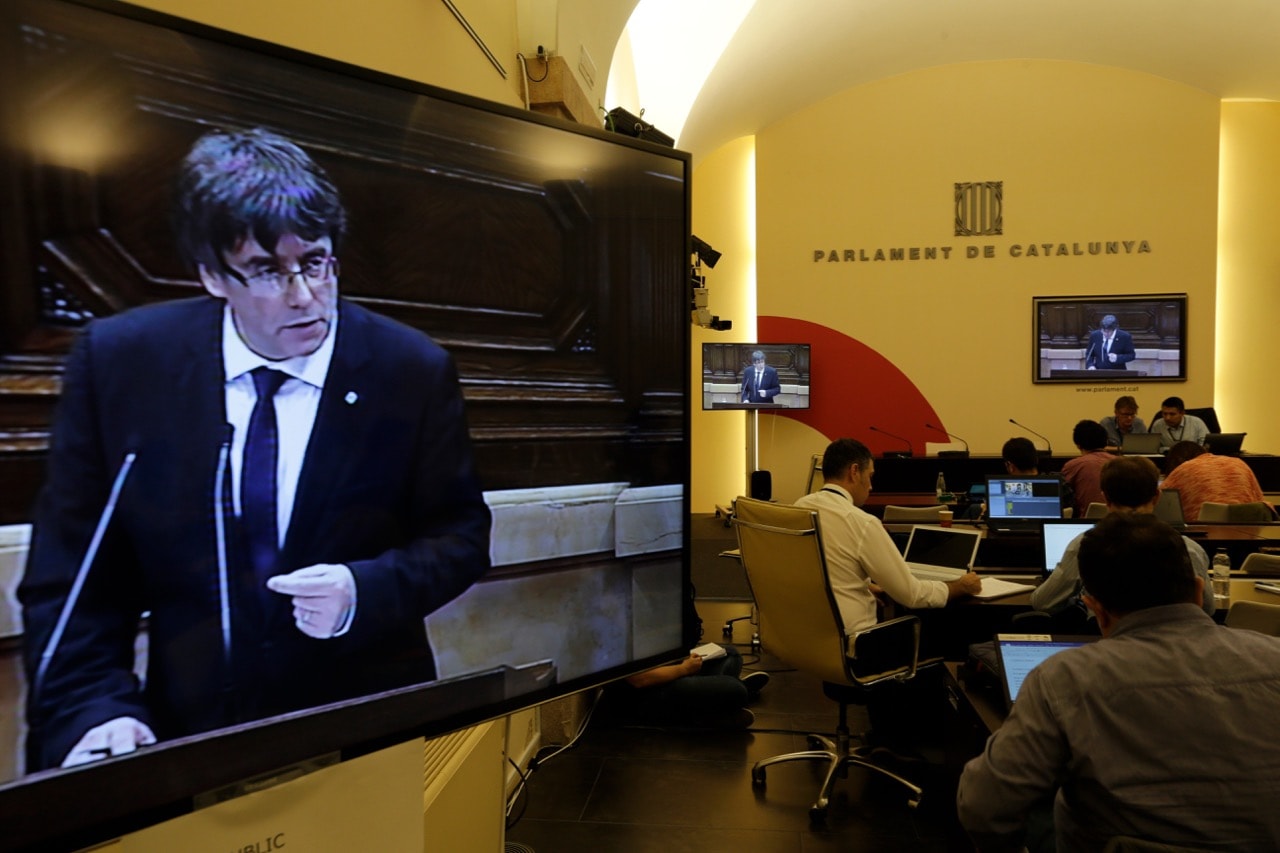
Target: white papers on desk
{"x":999,"y":588}
{"x":991,"y":587}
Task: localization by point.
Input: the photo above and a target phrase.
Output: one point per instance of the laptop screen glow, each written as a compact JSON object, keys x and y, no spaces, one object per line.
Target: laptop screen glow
{"x":1056,"y":539}
{"x":1024,"y":497}
{"x":1019,"y":657}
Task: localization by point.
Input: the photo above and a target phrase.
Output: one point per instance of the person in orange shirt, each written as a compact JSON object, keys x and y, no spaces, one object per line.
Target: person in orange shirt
{"x":1201,"y":476}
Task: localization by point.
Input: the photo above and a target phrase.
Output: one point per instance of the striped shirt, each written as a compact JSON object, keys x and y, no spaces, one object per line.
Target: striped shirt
{"x":1209,"y":477}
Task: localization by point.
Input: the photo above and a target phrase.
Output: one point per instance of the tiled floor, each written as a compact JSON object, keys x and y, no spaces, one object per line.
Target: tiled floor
{"x":635,"y":790}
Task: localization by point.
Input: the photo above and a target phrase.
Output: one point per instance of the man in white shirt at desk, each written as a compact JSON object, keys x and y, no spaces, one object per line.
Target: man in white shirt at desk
{"x":1176,"y":425}
{"x":861,"y":556}
{"x":862,"y":560}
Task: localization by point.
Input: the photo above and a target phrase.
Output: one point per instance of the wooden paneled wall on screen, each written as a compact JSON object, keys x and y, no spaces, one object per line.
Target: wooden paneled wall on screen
{"x":551,"y":263}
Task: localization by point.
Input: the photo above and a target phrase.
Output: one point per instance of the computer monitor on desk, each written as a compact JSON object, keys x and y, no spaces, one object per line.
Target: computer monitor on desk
{"x":1021,"y":502}
{"x":1225,"y":443}
{"x":1141,"y":444}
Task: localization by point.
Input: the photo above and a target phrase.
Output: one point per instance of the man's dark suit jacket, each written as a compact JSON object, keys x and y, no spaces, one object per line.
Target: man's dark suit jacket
{"x":1122,"y":346}
{"x":387,"y":488}
{"x":768,"y":384}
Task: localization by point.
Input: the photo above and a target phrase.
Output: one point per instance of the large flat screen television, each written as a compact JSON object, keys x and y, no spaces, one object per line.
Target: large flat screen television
{"x":1109,"y":338}
{"x":539,"y":256}
{"x":755,"y":376}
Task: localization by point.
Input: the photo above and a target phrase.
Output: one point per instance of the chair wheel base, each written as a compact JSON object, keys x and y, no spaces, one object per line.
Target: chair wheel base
{"x":817,"y":814}
{"x":757,"y":778}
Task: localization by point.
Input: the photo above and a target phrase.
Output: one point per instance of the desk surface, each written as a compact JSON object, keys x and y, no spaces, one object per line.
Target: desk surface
{"x":1022,"y":553}
{"x":964,"y":697}
{"x":919,"y":473}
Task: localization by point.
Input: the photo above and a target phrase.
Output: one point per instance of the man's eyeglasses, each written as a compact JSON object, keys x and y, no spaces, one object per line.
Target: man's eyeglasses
{"x":272,"y":281}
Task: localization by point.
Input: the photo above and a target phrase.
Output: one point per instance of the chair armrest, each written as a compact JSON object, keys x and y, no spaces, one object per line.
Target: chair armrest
{"x":887,"y":650}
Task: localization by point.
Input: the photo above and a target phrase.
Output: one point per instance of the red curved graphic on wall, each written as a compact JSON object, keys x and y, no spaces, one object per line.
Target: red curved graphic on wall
{"x":853,"y":388}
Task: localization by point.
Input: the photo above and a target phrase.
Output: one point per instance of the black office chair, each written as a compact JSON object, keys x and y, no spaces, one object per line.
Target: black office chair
{"x":1208,"y":415}
{"x":800,"y":623}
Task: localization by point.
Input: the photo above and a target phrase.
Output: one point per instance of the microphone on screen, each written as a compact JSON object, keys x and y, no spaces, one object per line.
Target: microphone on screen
{"x":82,"y":574}
{"x":220,"y":510}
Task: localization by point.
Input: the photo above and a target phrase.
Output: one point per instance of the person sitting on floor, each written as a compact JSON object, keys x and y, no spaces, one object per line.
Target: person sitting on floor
{"x":697,"y":692}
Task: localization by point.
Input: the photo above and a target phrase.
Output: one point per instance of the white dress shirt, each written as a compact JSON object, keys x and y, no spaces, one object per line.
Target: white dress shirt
{"x":296,"y":404}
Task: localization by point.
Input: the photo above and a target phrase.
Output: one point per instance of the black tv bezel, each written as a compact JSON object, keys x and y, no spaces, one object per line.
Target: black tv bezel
{"x":739,"y":407}
{"x":1104,"y":303}
{"x":120,"y":795}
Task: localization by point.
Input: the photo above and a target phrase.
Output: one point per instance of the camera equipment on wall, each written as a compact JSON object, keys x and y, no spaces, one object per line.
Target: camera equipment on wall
{"x":702,"y":316}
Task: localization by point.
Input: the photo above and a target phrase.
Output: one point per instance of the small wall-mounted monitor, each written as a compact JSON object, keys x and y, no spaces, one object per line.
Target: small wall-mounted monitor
{"x":1109,"y":338}
{"x":755,"y":376}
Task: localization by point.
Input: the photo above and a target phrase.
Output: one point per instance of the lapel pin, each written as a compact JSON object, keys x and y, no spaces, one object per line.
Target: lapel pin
{"x":351,"y":398}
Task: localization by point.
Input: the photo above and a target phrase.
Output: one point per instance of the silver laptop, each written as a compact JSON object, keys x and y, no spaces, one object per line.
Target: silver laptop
{"x":941,"y":553}
{"x":1140,"y":444}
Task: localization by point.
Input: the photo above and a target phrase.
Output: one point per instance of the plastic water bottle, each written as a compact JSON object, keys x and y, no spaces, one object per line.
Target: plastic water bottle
{"x":1221,"y":579}
{"x":942,"y":487}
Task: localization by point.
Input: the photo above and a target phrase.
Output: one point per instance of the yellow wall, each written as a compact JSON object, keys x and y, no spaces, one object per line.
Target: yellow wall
{"x":415,"y":39}
{"x":724,"y":217}
{"x":1086,"y":153}
{"x":1249,"y":273}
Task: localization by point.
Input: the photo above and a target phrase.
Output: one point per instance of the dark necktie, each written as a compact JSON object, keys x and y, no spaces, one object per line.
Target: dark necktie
{"x":258,"y":477}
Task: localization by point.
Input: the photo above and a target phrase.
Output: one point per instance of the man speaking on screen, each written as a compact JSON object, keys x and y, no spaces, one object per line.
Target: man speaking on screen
{"x":760,"y":381}
{"x":300,"y":492}
{"x":1110,"y":347}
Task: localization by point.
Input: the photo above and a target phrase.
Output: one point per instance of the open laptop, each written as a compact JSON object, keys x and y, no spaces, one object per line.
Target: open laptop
{"x":1225,"y":443}
{"x":946,"y":553}
{"x":1140,"y":444}
{"x":1018,"y":654}
{"x":1021,"y":503}
{"x":1057,"y":537}
{"x":1169,"y":510}
{"x":941,"y":553}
